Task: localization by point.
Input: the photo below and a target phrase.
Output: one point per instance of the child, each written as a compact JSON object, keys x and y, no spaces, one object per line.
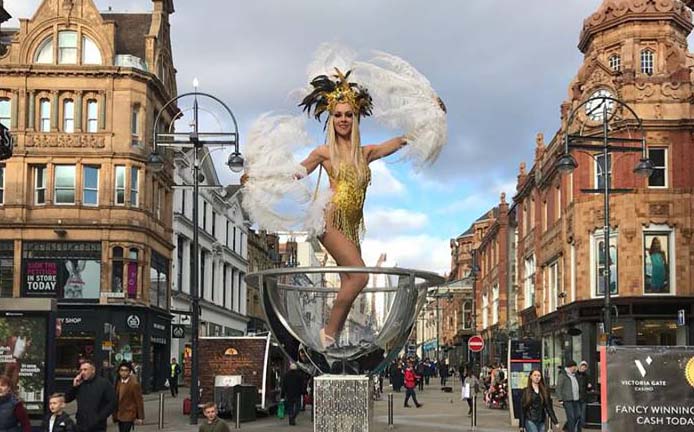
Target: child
{"x":57,"y":420}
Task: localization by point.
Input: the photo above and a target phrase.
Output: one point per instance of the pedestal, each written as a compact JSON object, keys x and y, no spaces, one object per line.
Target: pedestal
{"x":343,"y":403}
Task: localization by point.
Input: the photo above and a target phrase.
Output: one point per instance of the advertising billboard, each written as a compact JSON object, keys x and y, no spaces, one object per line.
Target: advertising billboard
{"x":524,"y":356}
{"x":648,"y":388}
{"x":23,"y":342}
{"x":62,"y":278}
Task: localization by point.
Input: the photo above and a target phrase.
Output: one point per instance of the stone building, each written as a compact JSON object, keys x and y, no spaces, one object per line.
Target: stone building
{"x":83,"y":219}
{"x":263,"y":254}
{"x":637,"y":52}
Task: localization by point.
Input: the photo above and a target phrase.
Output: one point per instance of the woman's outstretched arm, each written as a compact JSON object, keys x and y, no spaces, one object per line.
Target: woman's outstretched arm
{"x":378,"y":151}
{"x":317,"y":156}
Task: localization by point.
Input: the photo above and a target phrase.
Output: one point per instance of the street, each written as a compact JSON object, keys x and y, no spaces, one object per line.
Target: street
{"x":441,"y":412}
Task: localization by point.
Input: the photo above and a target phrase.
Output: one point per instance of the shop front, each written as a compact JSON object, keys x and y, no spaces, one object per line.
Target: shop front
{"x":108,"y":335}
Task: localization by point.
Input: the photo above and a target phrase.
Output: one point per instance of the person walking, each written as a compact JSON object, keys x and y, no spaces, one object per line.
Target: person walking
{"x":584,"y":386}
{"x":293,"y":389}
{"x":569,"y":394}
{"x":57,"y":420}
{"x":420,"y":368}
{"x":174,"y":372}
{"x":536,"y":405}
{"x":410,"y":385}
{"x":471,"y":386}
{"x":13,"y":415}
{"x":95,"y":397}
{"x":212,"y":422}
{"x":130,"y":408}
{"x":443,"y":372}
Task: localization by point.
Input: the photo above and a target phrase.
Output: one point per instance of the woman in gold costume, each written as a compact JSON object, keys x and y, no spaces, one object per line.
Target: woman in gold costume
{"x":346,"y":162}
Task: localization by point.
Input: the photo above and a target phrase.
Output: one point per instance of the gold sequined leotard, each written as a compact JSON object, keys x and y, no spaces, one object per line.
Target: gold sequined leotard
{"x":346,"y":212}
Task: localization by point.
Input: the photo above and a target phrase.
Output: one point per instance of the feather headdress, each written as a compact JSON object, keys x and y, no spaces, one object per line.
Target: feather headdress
{"x":328,"y":92}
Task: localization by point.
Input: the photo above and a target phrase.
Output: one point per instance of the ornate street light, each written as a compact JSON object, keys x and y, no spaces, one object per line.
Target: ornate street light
{"x":195,"y":140}
{"x":604,"y":108}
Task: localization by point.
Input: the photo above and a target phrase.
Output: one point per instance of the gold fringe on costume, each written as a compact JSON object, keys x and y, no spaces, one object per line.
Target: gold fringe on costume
{"x":347,"y":204}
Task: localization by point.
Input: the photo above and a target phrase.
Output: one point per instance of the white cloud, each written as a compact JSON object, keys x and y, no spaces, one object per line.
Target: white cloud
{"x":420,"y":252}
{"x":384,"y":222}
{"x":383,"y":181}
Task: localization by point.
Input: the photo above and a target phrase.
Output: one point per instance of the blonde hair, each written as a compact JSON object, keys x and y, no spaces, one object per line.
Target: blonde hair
{"x":356,"y":156}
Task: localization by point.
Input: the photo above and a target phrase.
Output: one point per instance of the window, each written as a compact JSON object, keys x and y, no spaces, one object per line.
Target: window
{"x":554,"y":286}
{"x":214,"y":224}
{"x":191,"y":256}
{"x":120,"y":185}
{"x":67,"y":47}
{"x":599,"y":166}
{"x":64,"y":184}
{"x":226,"y":242}
{"x":68,"y":116}
{"x":183,"y":202}
{"x":90,"y":185}
{"x":44,"y":54}
{"x":467,"y":315}
{"x":225,"y":269}
{"x":135,"y":186}
{"x":90,"y":52}
{"x":159,"y":281}
{"x":117,"y":270}
{"x":5,"y":112}
{"x":658,"y":263}
{"x":599,"y":264}
{"x":485,"y":311}
{"x":40,"y":172}
{"x":135,"y":124}
{"x":157,"y":201}
{"x":6,"y":268}
{"x":45,"y":115}
{"x":545,"y":216}
{"x":2,"y":184}
{"x":92,"y":116}
{"x":204,"y":215}
{"x":181,"y":242}
{"x":558,"y":203}
{"x":647,"y":61}
{"x":212,"y":277}
{"x":615,"y":62}
{"x":203,"y":258}
{"x":495,"y":304}
{"x":529,"y":282}
{"x":659,"y":158}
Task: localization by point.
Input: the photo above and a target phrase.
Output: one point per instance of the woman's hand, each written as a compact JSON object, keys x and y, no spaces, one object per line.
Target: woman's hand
{"x":244,"y":179}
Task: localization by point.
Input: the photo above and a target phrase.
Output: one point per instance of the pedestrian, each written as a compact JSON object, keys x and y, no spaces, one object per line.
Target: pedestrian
{"x":420,"y":373}
{"x":471,"y":386}
{"x":410,"y":385}
{"x":130,"y":408}
{"x":293,"y":389}
{"x":427,"y":371}
{"x":174,"y":372}
{"x":396,"y":376}
{"x":213,"y":423}
{"x":58,"y":420}
{"x":536,"y":405}
{"x":569,"y":394}
{"x":107,"y":371}
{"x":585,"y":385}
{"x":13,"y":415}
{"x":95,"y":397}
{"x":443,"y":372}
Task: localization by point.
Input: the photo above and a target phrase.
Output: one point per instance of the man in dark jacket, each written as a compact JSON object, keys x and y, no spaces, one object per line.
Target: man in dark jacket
{"x":58,"y":420}
{"x":293,"y":388}
{"x":174,"y":372}
{"x":584,"y":386}
{"x":96,"y":399}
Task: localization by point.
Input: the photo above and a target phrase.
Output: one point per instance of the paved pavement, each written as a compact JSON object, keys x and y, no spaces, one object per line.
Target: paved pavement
{"x":441,"y":412}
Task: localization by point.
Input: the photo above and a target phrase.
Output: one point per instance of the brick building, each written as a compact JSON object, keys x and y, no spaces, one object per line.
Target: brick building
{"x":83,"y":219}
{"x":263,"y":254}
{"x":638,"y":53}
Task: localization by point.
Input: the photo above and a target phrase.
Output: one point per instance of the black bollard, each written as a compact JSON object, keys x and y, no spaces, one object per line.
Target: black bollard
{"x":160,"y":425}
{"x":390,"y":409}
{"x":238,"y":411}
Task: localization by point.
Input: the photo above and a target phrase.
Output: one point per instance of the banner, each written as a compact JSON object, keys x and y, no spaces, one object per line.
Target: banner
{"x":62,"y":278}
{"x":648,"y":388}
{"x":23,"y":357}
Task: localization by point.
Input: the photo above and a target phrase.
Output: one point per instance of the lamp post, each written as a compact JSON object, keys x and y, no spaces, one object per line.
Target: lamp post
{"x":603,"y":107}
{"x":196,"y":141}
{"x":474,"y":269}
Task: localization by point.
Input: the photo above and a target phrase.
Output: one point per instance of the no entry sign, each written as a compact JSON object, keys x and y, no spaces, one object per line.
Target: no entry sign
{"x":475,"y":344}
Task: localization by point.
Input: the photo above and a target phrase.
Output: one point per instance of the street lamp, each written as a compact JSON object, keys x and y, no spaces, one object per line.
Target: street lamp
{"x":603,"y":107}
{"x":474,"y":270}
{"x":195,"y":140}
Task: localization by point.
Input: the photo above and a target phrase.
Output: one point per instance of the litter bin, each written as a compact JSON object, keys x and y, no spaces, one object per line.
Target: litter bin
{"x":224,"y":393}
{"x":247,"y":393}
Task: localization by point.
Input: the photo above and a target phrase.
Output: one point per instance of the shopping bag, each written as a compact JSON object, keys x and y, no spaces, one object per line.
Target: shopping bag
{"x":466,"y":391}
{"x":280,"y":410}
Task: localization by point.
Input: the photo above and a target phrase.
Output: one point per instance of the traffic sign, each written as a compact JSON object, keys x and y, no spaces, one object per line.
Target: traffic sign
{"x":475,"y":343}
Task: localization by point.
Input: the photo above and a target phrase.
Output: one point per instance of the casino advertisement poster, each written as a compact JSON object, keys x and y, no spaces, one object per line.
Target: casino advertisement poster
{"x":23,"y":357}
{"x":648,"y":388}
{"x":524,"y":356}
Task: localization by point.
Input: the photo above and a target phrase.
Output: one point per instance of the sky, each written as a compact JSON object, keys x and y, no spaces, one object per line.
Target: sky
{"x":502,"y":67}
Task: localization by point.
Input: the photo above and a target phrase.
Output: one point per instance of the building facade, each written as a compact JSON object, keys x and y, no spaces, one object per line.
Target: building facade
{"x":222,"y":256}
{"x":263,"y":254}
{"x":84,"y":219}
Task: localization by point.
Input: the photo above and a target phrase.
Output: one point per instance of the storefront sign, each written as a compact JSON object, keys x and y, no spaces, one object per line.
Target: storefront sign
{"x":178,"y":331}
{"x":158,"y":340}
{"x":64,"y":278}
{"x":157,"y":326}
{"x":524,"y":356}
{"x":648,"y":388}
{"x":133,"y":321}
{"x":23,"y":357}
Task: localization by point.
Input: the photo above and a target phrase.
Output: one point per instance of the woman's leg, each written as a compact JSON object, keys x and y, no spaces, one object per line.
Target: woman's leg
{"x":346,"y":254}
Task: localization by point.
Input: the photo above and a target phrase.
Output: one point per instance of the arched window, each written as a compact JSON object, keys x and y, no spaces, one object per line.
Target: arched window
{"x":117,"y":270}
{"x":44,"y":54}
{"x":45,"y":115}
{"x":67,"y":47}
{"x":68,"y":116}
{"x":5,"y":112}
{"x":90,"y":52}
{"x":647,"y":62}
{"x":92,"y":116}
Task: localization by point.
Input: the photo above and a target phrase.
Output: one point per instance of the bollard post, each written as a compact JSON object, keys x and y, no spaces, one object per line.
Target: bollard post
{"x":390,"y":409}
{"x":238,"y":411}
{"x":474,"y":412}
{"x":161,"y":411}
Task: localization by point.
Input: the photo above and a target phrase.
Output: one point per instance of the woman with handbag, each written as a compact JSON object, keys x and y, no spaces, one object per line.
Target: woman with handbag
{"x":536,"y":405}
{"x":471,"y":386}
